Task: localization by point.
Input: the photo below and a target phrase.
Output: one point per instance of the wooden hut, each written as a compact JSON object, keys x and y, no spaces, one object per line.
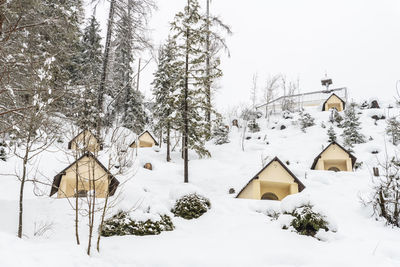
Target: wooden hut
{"x":86,"y":170}
{"x":85,"y":141}
{"x":334,"y":158}
{"x":145,"y":140}
{"x":274,"y":182}
{"x":333,"y":102}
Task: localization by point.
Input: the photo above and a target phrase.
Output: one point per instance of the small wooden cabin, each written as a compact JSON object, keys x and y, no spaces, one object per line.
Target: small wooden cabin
{"x":334,"y":158}
{"x":145,"y":140}
{"x":85,"y":141}
{"x":87,"y":169}
{"x":274,"y":182}
{"x":334,"y":102}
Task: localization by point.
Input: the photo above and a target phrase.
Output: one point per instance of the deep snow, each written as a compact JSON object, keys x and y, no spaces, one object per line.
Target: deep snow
{"x":235,"y":232}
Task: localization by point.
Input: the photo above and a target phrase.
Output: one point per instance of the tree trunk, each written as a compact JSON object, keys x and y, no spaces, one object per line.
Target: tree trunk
{"x":381,"y":202}
{"x":105,"y":61}
{"x":92,"y":203}
{"x":185,"y":113}
{"x":138,"y":75}
{"x":160,"y":137}
{"x":103,"y":215}
{"x":23,"y":178}
{"x":208,"y":82}
{"x":168,"y":142}
{"x":21,"y":198}
{"x":76,"y":201}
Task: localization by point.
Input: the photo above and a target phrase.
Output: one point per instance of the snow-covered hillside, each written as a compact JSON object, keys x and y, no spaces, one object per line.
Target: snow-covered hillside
{"x":235,"y":232}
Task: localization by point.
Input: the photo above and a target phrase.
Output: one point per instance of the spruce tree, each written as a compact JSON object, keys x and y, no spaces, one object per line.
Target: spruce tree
{"x":331,"y":135}
{"x":393,"y":130}
{"x":88,"y":76}
{"x":134,"y":116}
{"x":189,"y":35}
{"x":220,"y":132}
{"x":352,"y":127}
{"x":166,"y":84}
{"x":126,"y":99}
{"x":306,"y":120}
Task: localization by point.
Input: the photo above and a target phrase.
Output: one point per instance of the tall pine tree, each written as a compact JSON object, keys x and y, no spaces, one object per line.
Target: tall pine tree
{"x":214,"y":42}
{"x":352,"y":127}
{"x":167,"y":80}
{"x":189,"y":34}
{"x":88,"y":77}
{"x":127,"y":100}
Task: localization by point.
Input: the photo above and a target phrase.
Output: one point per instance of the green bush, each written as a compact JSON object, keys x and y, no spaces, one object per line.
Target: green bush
{"x":308,"y":222}
{"x":191,"y":206}
{"x":121,"y":224}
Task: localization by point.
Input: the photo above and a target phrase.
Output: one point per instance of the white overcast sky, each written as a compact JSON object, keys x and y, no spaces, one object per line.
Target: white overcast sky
{"x":357,"y":42}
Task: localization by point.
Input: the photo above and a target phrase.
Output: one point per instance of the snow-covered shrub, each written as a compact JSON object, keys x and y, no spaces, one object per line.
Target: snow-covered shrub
{"x":377,"y":117}
{"x":351,"y":127}
{"x":2,"y":150}
{"x":191,"y":206}
{"x":286,"y":114}
{"x":308,"y":222}
{"x":335,"y":117}
{"x":248,"y":114}
{"x":358,"y":165}
{"x":331,"y":135}
{"x":364,"y":104}
{"x":377,"y":114}
{"x":306,"y":120}
{"x":393,"y":130}
{"x":253,"y":126}
{"x":385,"y":197}
{"x":220,"y":133}
{"x":300,"y":215}
{"x":122,"y":224}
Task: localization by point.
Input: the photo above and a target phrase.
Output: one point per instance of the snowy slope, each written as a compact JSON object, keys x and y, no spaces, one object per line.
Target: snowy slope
{"x":235,"y":232}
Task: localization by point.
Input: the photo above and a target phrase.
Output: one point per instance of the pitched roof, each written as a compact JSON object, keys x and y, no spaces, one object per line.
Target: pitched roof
{"x":73,"y":139}
{"x":353,"y":158}
{"x":301,"y":185}
{"x":155,"y":141}
{"x":323,"y":105}
{"x":112,"y":187}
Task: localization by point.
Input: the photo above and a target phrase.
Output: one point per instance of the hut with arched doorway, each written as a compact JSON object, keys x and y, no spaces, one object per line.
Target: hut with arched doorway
{"x":84,"y":176}
{"x":273,"y":182}
{"x":145,"y":139}
{"x":333,"y":102}
{"x":334,"y":158}
{"x":85,"y":141}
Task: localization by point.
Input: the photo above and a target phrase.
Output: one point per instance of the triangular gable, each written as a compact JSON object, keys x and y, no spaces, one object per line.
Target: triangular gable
{"x":353,"y":158}
{"x":301,"y":185}
{"x":112,"y":187}
{"x":79,"y":134}
{"x":155,"y":141}
{"x":323,"y":105}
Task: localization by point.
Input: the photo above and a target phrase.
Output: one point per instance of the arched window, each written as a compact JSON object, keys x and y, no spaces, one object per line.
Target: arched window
{"x":335,"y":169}
{"x":269,"y":196}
